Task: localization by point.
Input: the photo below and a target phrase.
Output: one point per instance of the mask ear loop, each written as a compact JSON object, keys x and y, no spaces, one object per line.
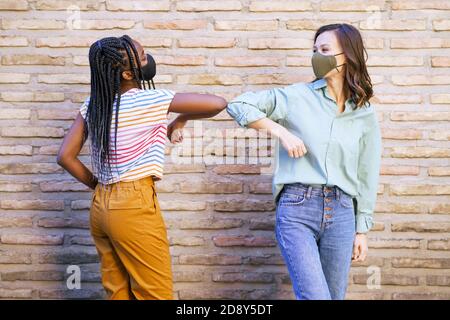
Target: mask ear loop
{"x":338,"y":67}
{"x":340,"y":64}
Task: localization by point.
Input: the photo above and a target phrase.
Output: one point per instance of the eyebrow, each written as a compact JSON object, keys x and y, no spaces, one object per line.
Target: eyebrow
{"x":322,"y":45}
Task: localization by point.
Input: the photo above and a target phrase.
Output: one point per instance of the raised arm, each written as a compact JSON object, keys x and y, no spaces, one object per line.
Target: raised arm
{"x":265,"y":110}
{"x":191,"y":106}
{"x":195,"y":106}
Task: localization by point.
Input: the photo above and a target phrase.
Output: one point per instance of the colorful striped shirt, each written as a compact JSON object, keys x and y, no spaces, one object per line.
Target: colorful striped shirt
{"x":141,"y":134}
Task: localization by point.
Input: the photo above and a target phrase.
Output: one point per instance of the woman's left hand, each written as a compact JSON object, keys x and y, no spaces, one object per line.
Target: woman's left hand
{"x":360,"y":247}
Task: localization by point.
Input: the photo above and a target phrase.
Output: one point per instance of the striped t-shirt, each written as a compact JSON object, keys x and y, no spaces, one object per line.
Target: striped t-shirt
{"x":141,"y":134}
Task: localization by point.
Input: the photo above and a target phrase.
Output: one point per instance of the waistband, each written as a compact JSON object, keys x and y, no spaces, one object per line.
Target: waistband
{"x":136,"y":184}
{"x":315,"y":189}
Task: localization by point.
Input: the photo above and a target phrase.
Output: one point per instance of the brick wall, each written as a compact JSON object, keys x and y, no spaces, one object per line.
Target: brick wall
{"x":220,"y":215}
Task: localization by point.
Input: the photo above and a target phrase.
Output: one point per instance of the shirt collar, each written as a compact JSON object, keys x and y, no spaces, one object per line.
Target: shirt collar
{"x":320,"y":83}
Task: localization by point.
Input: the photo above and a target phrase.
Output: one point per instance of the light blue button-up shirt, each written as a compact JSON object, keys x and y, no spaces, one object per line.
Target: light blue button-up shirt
{"x":344,"y":149}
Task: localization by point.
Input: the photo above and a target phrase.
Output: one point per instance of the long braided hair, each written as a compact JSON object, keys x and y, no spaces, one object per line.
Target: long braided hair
{"x":108,"y":58}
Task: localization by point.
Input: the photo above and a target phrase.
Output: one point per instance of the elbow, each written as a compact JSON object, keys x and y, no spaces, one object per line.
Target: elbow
{"x":221,"y":104}
{"x":61,"y":160}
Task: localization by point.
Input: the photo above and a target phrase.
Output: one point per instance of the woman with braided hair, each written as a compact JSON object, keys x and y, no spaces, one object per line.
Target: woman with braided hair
{"x":127,"y":126}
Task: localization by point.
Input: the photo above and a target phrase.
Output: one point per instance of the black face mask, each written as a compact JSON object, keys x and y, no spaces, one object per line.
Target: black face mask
{"x":149,"y":70}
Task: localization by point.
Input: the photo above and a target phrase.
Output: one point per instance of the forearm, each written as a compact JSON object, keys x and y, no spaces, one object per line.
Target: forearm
{"x":79,"y":171}
{"x":190,"y":116}
{"x":271,"y":126}
{"x":194,"y":104}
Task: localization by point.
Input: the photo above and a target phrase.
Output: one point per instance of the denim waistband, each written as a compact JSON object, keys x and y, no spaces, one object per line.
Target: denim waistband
{"x":315,"y":189}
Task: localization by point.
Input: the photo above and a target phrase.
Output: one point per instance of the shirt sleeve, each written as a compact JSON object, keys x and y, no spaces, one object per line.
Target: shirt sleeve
{"x":255,"y":105}
{"x":83,"y":108}
{"x":368,"y":177}
{"x":169,"y":94}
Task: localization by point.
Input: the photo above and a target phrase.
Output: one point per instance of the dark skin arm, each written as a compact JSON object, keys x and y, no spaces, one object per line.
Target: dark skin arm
{"x":69,"y":151}
{"x":189,"y":105}
{"x":195,"y":104}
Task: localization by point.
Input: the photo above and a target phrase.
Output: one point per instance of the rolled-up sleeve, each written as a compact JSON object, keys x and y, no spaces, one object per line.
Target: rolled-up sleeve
{"x":368,"y":177}
{"x":83,"y":108}
{"x":252,"y":106}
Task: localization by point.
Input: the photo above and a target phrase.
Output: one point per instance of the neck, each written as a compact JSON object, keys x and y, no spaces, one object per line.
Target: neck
{"x":336,"y":88}
{"x":127,"y":85}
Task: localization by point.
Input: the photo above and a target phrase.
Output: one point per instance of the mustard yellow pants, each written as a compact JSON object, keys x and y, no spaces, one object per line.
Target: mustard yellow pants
{"x":131,"y":240}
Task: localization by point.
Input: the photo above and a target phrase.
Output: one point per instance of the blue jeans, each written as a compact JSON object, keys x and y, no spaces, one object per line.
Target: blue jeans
{"x":315,"y":230}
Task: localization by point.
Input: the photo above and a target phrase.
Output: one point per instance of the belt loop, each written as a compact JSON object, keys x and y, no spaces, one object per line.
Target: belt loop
{"x":308,"y":194}
{"x":338,"y":193}
{"x":136,"y":184}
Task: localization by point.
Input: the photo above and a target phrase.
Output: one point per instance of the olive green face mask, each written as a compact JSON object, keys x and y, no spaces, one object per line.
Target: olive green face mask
{"x":323,"y":64}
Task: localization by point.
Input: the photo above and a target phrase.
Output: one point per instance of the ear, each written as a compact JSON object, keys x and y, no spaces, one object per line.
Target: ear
{"x":127,"y":75}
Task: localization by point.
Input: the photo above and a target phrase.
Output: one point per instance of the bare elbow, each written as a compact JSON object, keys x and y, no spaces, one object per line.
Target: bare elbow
{"x":221,"y":104}
{"x":61,"y":160}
